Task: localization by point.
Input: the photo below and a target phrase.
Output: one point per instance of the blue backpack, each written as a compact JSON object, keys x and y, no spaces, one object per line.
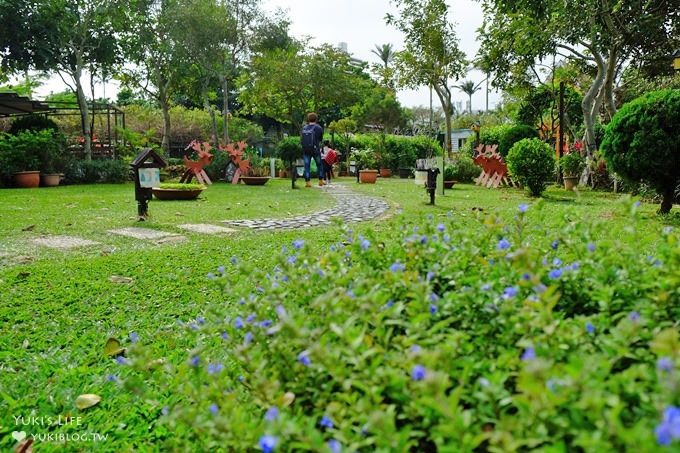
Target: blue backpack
{"x":308,"y":139}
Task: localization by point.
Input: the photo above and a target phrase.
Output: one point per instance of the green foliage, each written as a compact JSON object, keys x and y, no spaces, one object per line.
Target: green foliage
{"x":289,"y":149}
{"x":464,"y":169}
{"x":572,"y":164}
{"x":487,"y":135}
{"x":449,"y":172}
{"x":532,"y":163}
{"x":218,"y":167}
{"x":365,"y":158}
{"x":641,"y":142}
{"x":182,"y":186}
{"x":97,"y":171}
{"x":29,"y":149}
{"x":512,"y":135}
{"x":32,"y":123}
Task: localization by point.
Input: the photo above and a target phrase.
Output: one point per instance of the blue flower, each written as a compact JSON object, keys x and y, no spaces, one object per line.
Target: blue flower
{"x":418,"y":373}
{"x":483,"y":382}
{"x":503,"y":244}
{"x":220,"y":269}
{"x":248,"y":338}
{"x":664,"y":364}
{"x":303,"y":358}
{"x":669,"y":428}
{"x":165,"y":410}
{"x":111,"y":378}
{"x":334,"y":446}
{"x":210,"y":276}
{"x":233,"y":260}
{"x":214,"y":368}
{"x":557,"y":262}
{"x":251,"y":317}
{"x":134,"y":338}
{"x":271,"y":414}
{"x":415,"y":349}
{"x":120,"y":360}
{"x":397,"y":267}
{"x":298,"y":243}
{"x":555,"y":274}
{"x":201,"y":320}
{"x":268,"y":443}
{"x":280,"y":311}
{"x":529,"y":354}
{"x":433,"y":309}
{"x":441,"y":227}
{"x":326,"y":422}
{"x":591,"y":247}
{"x":291,"y":259}
{"x":555,"y":244}
{"x":634,"y":316}
{"x":365,"y":244}
{"x":430,"y":275}
{"x":509,"y":292}
{"x":523,"y":207}
{"x":224,"y":335}
{"x":195,"y":360}
{"x":238,"y":322}
{"x":486,"y":287}
{"x":423,"y":239}
{"x":214,"y":409}
{"x":434,"y":297}
{"x":266,"y":323}
{"x":590,"y":328}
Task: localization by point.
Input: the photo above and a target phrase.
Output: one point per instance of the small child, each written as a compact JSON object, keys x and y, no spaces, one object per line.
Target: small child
{"x":328,"y":157}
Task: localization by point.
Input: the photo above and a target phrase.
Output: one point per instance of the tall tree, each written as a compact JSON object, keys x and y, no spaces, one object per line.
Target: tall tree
{"x":285,"y":84}
{"x":603,"y":36}
{"x":384,"y":71}
{"x":468,"y":87}
{"x":155,"y":57}
{"x":431,"y":56}
{"x":69,"y":37}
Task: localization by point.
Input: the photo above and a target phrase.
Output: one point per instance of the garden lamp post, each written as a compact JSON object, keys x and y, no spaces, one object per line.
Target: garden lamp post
{"x":676,"y":60}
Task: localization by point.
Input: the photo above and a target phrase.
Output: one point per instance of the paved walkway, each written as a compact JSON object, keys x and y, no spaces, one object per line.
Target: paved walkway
{"x":350,"y":207}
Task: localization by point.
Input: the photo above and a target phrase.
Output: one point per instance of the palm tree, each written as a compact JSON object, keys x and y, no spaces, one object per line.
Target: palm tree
{"x":468,"y":87}
{"x":385,"y":52}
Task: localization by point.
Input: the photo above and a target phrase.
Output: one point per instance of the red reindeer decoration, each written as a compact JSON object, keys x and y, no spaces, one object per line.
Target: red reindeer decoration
{"x":195,"y":168}
{"x":236,"y":156}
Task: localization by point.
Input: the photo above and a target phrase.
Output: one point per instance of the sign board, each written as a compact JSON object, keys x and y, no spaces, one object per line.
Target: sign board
{"x":149,"y":177}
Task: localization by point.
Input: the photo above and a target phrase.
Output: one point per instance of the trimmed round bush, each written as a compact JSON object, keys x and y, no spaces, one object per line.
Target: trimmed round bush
{"x":641,"y":143}
{"x":511,"y":136}
{"x":531,"y":162}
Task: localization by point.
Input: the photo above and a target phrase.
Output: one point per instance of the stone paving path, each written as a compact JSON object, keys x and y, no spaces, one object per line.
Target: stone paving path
{"x":350,"y":207}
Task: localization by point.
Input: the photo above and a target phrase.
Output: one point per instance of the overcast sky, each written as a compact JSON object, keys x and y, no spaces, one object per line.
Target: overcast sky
{"x":361,"y":24}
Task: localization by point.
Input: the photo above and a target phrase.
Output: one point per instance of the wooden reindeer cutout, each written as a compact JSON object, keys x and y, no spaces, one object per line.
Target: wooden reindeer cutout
{"x":195,"y":168}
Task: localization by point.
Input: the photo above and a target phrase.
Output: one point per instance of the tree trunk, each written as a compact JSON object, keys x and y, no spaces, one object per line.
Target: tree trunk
{"x":666,"y":201}
{"x":609,"y":103}
{"x":445,"y":100}
{"x":225,"y":110}
{"x":84,"y":113}
{"x":162,"y":98}
{"x":213,"y":121}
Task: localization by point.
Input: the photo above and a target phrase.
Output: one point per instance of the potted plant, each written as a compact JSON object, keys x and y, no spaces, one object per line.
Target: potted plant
{"x":449,"y":175}
{"x":20,"y":159}
{"x":572,"y":164}
{"x":366,"y":162}
{"x":384,"y":159}
{"x":257,"y":172}
{"x":178,"y":191}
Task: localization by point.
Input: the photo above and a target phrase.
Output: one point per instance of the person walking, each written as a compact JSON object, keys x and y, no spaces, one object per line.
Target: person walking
{"x":310,"y":138}
{"x":329,"y":156}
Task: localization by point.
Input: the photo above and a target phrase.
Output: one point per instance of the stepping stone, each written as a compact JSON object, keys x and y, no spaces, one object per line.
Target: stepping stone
{"x":141,"y":233}
{"x":206,"y":228}
{"x":62,"y":242}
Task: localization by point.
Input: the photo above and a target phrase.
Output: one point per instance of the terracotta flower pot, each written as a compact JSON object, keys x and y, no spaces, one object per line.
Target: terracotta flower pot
{"x":255,"y":180}
{"x":385,"y":172}
{"x":175,"y":194}
{"x":50,"y":180}
{"x":26,"y":179}
{"x":570,"y":182}
{"x":449,"y":184}
{"x":368,"y":176}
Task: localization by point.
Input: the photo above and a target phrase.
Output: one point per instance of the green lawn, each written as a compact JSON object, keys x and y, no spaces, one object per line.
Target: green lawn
{"x":59,"y":307}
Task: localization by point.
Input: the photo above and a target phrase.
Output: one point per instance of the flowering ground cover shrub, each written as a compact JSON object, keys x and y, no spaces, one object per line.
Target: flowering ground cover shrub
{"x":504,"y":337}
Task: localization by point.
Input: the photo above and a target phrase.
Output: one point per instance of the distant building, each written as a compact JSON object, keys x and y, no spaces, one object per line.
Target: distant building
{"x":458,"y":138}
